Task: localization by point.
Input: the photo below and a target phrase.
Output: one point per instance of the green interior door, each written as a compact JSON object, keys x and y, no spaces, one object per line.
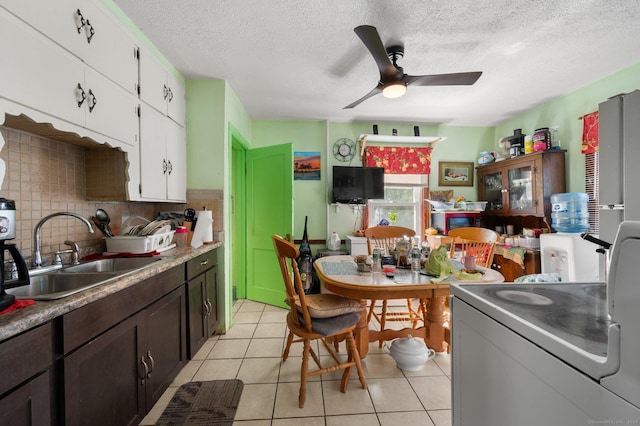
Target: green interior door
{"x":269,"y":189}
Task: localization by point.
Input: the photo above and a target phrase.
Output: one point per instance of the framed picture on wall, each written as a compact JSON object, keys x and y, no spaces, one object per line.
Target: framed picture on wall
{"x":452,"y":173}
{"x":306,"y":165}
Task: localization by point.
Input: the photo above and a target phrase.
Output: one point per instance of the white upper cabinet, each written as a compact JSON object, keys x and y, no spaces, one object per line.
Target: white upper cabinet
{"x":52,"y":81}
{"x":88,"y":31}
{"x":163,"y":173}
{"x":45,"y":77}
{"x":160,"y":88}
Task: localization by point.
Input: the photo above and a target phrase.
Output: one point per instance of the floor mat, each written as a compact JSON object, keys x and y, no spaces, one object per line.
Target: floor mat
{"x":203,"y":403}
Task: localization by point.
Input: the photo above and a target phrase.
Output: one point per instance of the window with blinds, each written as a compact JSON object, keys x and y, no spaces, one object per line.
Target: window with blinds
{"x":591,"y":173}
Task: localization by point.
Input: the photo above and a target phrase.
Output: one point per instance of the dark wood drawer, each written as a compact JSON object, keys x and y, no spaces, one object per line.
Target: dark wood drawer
{"x":83,"y":324}
{"x":24,"y":356}
{"x":202,"y":263}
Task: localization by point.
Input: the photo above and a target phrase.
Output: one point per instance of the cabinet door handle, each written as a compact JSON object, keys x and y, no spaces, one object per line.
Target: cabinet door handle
{"x":152,"y":362}
{"x":79,"y":21}
{"x":80,"y":95}
{"x":170,"y":169}
{"x":204,"y":262}
{"x":146,"y":369}
{"x":166,"y":91}
{"x":92,"y":101}
{"x":89,"y":31}
{"x":164,"y":166}
{"x":207,"y":308}
{"x":170,"y":95}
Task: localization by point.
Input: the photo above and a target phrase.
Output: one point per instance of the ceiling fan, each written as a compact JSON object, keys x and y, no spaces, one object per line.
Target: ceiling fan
{"x":393,"y":81}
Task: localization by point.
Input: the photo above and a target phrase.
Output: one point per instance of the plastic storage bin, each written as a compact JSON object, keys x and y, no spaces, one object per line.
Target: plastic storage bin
{"x":570,"y":212}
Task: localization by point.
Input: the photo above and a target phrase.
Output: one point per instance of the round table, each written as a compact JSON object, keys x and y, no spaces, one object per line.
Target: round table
{"x":339,"y":275}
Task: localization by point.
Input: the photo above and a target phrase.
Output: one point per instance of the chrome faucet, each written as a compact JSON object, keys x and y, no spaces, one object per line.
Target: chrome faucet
{"x":37,"y":257}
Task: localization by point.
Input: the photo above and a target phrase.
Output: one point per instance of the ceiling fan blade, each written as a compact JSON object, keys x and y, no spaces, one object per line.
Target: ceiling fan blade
{"x":454,"y":79}
{"x":375,"y":91}
{"x":371,"y":39}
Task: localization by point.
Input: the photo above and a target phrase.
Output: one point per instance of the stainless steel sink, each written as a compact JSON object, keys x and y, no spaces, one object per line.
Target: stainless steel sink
{"x":123,"y":264}
{"x":59,"y":284}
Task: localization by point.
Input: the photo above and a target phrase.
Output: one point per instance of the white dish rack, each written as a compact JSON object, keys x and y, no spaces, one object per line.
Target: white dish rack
{"x":139,"y":245}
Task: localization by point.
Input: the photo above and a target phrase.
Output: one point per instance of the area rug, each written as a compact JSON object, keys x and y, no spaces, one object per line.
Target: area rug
{"x":203,"y":403}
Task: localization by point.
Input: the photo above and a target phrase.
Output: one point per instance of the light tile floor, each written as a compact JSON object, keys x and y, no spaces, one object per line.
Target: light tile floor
{"x":251,"y":351}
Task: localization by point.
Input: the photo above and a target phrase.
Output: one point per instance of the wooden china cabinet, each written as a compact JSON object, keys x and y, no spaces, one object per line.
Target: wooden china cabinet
{"x":518,"y":192}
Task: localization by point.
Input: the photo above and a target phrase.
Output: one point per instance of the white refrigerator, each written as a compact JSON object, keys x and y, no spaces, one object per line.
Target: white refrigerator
{"x":619,"y":164}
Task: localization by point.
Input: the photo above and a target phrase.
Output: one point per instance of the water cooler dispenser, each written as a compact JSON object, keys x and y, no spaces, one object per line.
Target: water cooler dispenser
{"x":568,"y":255}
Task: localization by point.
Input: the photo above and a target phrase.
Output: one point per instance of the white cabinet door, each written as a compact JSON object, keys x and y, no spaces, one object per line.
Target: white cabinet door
{"x":163,"y":157}
{"x":153,"y":154}
{"x":177,"y":159}
{"x":110,"y":110}
{"x":59,"y":20}
{"x":86,"y":29}
{"x":153,"y":81}
{"x":43,"y":76}
{"x":111,"y":50}
{"x":176,"y":107}
{"x":160,"y":88}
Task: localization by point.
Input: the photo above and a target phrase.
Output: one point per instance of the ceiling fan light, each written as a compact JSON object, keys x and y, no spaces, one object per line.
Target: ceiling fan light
{"x":394,"y":90}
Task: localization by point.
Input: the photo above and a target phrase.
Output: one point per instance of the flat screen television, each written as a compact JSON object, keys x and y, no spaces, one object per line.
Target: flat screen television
{"x":356,"y":185}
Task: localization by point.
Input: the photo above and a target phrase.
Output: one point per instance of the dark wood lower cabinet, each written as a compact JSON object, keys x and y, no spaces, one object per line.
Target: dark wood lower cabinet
{"x":117,"y":377}
{"x":25,"y":378}
{"x":29,"y":405}
{"x":202,"y":287}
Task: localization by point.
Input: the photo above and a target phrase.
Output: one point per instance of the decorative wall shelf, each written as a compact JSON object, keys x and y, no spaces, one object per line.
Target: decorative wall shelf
{"x":431,"y":141}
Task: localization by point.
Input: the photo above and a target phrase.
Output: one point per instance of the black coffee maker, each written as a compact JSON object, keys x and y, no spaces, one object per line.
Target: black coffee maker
{"x":14,"y":272}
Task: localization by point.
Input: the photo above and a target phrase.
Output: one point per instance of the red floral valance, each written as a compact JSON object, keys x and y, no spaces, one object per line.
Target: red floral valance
{"x":590,"y":133}
{"x":399,"y":160}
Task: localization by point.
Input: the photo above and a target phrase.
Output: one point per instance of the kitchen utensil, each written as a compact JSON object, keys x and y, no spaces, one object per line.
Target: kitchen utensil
{"x":104,"y":219}
{"x":190,"y":216}
{"x":99,"y":225}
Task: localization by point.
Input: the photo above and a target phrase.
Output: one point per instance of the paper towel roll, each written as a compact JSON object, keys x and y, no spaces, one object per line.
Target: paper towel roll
{"x":204,"y":229}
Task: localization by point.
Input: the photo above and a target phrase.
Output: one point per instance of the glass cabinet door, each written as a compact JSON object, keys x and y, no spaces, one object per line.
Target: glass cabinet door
{"x":520,"y":185}
{"x":492,"y":185}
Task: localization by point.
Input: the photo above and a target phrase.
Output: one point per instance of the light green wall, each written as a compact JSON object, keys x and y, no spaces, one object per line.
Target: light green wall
{"x":206,"y":131}
{"x":309,"y":196}
{"x":565,"y":112}
{"x":236,"y":114}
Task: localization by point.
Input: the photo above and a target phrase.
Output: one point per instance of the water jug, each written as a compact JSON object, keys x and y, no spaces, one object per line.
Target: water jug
{"x":570,"y":212}
{"x":334,"y":242}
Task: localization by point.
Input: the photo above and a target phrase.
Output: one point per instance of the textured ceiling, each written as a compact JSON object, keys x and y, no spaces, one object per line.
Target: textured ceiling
{"x":292,"y":59}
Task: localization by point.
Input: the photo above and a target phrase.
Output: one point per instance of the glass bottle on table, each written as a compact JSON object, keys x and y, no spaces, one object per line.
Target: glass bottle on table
{"x":415,"y":257}
{"x":377,"y":260}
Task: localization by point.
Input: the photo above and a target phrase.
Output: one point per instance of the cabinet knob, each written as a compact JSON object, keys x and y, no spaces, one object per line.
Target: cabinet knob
{"x":144,"y":374}
{"x":89,"y":31}
{"x":152,"y":362}
{"x":80,"y":95}
{"x":92,"y":101}
{"x":79,"y":21}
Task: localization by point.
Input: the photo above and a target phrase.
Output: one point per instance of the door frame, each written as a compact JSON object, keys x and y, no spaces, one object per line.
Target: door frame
{"x":238,"y":215}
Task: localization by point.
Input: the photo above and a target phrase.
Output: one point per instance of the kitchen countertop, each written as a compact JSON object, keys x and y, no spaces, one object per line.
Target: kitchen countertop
{"x":23,"y":319}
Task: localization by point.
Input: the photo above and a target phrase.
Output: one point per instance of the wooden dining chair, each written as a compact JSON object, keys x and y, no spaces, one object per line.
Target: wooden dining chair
{"x":385,"y":237}
{"x":476,"y":241}
{"x":324,"y":317}
{"x":479,"y":242}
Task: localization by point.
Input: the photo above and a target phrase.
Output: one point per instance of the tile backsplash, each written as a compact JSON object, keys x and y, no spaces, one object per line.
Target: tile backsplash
{"x":44,"y":176}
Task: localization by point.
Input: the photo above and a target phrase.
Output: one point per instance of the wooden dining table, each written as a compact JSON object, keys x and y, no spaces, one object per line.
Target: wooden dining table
{"x":339,"y":274}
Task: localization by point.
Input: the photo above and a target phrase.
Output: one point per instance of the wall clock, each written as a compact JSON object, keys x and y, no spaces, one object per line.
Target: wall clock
{"x":344,"y":149}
